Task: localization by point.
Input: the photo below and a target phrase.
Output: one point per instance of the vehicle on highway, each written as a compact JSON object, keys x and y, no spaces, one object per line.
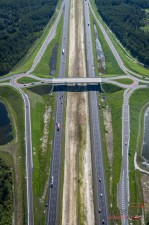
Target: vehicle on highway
{"x":99,"y":210}
{"x":125,"y":142}
{"x":100,"y":180}
{"x":63,"y":51}
{"x":103,"y":221}
{"x":88,"y":24}
{"x":52,"y":181}
{"x":101,"y":195}
{"x":58,"y":126}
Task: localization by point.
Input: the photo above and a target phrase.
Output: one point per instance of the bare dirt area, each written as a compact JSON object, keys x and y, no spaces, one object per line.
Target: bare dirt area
{"x":78,"y":205}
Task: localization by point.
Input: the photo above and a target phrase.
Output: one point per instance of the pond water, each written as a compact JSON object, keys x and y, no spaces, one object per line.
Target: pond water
{"x":6,"y":134}
{"x":145,"y":147}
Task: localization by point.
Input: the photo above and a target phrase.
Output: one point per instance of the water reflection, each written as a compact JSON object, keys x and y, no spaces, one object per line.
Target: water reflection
{"x":5,"y":126}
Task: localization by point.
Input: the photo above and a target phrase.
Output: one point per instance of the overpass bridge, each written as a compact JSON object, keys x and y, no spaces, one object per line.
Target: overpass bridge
{"x":80,"y":80}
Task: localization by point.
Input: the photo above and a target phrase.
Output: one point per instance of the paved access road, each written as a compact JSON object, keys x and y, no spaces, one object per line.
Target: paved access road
{"x":99,"y":184}
{"x":55,"y":172}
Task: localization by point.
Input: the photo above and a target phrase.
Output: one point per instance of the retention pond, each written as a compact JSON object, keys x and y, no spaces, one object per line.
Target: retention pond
{"x":6,"y":134}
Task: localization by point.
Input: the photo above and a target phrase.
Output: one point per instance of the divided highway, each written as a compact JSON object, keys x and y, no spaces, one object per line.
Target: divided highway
{"x":55,"y":171}
{"x":99,"y":183}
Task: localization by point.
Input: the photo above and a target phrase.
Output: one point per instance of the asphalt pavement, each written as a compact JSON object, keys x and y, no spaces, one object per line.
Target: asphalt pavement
{"x":55,"y":171}
{"x":99,"y":183}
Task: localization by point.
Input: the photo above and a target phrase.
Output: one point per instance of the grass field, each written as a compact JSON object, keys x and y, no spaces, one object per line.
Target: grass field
{"x":112,"y":66}
{"x":42,"y":69}
{"x":42,"y":136}
{"x":125,"y":81}
{"x":130,"y":64}
{"x":15,"y":150}
{"x":114,"y":100}
{"x":26,"y":80}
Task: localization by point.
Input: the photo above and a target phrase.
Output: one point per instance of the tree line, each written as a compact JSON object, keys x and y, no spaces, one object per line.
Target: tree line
{"x":125,"y":18}
{"x":21,"y":23}
{"x":6,"y":194}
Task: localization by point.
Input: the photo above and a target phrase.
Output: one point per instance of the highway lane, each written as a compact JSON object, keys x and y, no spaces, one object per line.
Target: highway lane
{"x":99,"y":183}
{"x":55,"y":171}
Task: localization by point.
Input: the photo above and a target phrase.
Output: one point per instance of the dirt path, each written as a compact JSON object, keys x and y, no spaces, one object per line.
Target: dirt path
{"x":78,"y":205}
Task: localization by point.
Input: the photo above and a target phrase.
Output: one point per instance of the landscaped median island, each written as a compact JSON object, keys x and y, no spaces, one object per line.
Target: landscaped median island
{"x":42,"y":117}
{"x":14,"y":155}
{"x":43,"y":67}
{"x":124,"y":81}
{"x":26,"y":80}
{"x":111,"y":109}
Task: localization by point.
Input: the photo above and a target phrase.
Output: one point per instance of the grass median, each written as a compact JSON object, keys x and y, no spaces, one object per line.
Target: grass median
{"x":113,"y":101}
{"x":42,"y":116}
{"x":139,"y":101}
{"x":26,"y":80}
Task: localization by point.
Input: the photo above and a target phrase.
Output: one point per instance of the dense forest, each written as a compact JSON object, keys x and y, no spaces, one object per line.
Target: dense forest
{"x":125,"y":18}
{"x":6,"y":194}
{"x":21,"y":22}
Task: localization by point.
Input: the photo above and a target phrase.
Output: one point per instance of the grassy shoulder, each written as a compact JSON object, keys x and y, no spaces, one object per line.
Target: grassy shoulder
{"x":14,"y":152}
{"x":112,"y":66}
{"x":26,"y":80}
{"x":139,"y":101}
{"x":113,"y":100}
{"x":128,"y":61}
{"x":43,"y":68}
{"x":25,"y":64}
{"x":42,"y":115}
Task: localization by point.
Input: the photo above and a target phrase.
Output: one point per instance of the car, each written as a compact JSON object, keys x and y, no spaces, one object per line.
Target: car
{"x":42,"y":82}
{"x":32,"y":83}
{"x":99,"y":210}
{"x":125,"y":142}
{"x":103,"y":221}
{"x":46,"y":204}
{"x":58,"y":126}
{"x":100,"y":180}
{"x":101,"y":195}
{"x":52,"y":181}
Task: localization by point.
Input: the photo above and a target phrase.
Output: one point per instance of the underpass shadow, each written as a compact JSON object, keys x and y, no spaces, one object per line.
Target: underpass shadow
{"x":77,"y":88}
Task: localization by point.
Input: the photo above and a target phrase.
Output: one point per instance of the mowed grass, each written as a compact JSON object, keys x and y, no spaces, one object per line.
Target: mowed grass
{"x":14,"y":103}
{"x":114,"y":101}
{"x":130,"y":64}
{"x":25,"y":64}
{"x":41,"y":159}
{"x":26,"y":80}
{"x":125,"y":81}
{"x":112,"y":66}
{"x":139,"y":101}
{"x":43,"y":68}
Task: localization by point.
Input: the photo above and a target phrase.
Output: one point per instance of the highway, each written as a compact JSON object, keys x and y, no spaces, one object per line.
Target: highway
{"x":99,"y":183}
{"x":55,"y":171}
{"x":97,"y":154}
